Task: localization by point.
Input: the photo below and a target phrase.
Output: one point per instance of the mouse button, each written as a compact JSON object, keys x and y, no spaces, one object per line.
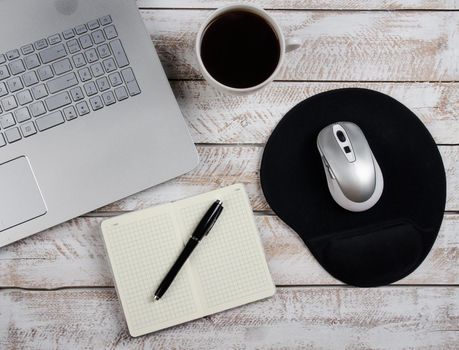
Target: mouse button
{"x":357,"y":183}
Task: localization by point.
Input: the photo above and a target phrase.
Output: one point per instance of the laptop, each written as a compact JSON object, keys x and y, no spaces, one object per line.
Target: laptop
{"x":87,"y":116}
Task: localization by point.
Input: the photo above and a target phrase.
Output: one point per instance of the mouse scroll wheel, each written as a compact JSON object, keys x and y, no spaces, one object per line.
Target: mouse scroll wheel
{"x":341,"y":136}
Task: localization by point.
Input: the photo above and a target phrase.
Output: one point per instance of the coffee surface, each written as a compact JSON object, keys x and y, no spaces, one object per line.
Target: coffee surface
{"x":240,"y":49}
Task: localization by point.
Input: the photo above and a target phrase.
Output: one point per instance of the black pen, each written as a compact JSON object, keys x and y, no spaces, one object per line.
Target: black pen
{"x":203,"y":228}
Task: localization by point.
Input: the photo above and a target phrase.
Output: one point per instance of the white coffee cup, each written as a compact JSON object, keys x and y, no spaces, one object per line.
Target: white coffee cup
{"x":286,"y":45}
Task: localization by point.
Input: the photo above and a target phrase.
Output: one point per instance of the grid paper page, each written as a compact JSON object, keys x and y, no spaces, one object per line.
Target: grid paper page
{"x":229,"y":263}
{"x":227,"y":269}
{"x":141,"y":253}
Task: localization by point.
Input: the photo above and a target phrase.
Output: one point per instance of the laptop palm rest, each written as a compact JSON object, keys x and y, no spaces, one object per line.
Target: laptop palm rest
{"x":20,"y":196}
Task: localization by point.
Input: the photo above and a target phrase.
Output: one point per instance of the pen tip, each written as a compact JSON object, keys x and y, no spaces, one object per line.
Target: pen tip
{"x":155,"y":298}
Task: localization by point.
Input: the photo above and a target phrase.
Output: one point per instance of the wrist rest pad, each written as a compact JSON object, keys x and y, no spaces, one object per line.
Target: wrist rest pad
{"x":385,"y":243}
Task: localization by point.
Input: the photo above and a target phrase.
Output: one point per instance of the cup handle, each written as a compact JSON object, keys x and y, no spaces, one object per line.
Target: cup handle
{"x":292,"y":44}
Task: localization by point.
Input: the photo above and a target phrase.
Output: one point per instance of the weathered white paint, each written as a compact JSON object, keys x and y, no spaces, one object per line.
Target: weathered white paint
{"x":337,"y":46}
{"x":214,"y":117}
{"x":302,"y":318}
{"x":72,"y":254}
{"x":382,"y":46}
{"x":308,"y":4}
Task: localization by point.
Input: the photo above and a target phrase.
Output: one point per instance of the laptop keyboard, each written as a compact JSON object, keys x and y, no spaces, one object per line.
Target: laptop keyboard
{"x":63,"y":77}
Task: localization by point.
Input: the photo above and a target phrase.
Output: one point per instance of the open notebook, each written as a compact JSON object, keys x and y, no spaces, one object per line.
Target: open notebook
{"x":227,"y":269}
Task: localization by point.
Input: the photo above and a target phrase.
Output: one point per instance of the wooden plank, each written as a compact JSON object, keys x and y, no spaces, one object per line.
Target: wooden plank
{"x":226,"y":165}
{"x":338,"y":46}
{"x":214,"y":117}
{"x":72,"y":255}
{"x":306,"y":318}
{"x":307,"y":4}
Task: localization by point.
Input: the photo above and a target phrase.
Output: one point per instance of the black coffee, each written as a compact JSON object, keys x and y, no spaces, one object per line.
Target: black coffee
{"x":240,"y":49}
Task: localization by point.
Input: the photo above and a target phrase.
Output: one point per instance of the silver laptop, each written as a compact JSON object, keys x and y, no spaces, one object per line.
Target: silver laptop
{"x":87,"y":114}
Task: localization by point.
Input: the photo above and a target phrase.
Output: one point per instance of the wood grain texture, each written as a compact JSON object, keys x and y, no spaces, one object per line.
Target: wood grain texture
{"x":215,"y":117}
{"x":72,"y":255}
{"x":301,"y":318}
{"x":225,"y":165}
{"x":337,"y":46}
{"x":308,"y":4}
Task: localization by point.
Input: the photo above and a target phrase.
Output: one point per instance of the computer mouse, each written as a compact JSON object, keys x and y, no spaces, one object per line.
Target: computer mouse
{"x":353,"y":174}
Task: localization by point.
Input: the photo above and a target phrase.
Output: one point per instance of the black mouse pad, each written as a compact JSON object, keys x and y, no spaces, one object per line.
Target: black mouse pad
{"x":385,"y":243}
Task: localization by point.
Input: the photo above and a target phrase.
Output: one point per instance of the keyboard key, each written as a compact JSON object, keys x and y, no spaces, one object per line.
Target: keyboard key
{"x":7,"y":121}
{"x":85,"y":41}
{"x":2,"y":59}
{"x":115,"y":79}
{"x":82,"y":108}
{"x":41,"y":44}
{"x":68,"y":34}
{"x":109,"y":65}
{"x":62,"y":83}
{"x":54,"y":39}
{"x":53,"y":53}
{"x":15,"y":84}
{"x":37,"y":109}
{"x":121,"y":93}
{"x":24,"y":97}
{"x":45,"y":73}
{"x":81,"y":29}
{"x":90,"y":88}
{"x":49,"y":121}
{"x":27,"y":49}
{"x":12,"y":55}
{"x":131,"y":83}
{"x":84,"y":74}
{"x":108,"y":98}
{"x":30,"y":78}
{"x":91,"y":55}
{"x":77,"y":94}
{"x":22,"y":115}
{"x":97,"y":70}
{"x":32,"y":61}
{"x":96,"y":103}
{"x":3,"y":90}
{"x":103,"y":51}
{"x":17,"y":67}
{"x":98,"y":37}
{"x":13,"y":135}
{"x":128,"y":75}
{"x":39,"y":91}
{"x":9,"y":103}
{"x":28,"y":129}
{"x":62,"y":66}
{"x":2,"y":141}
{"x":93,"y":24}
{"x":58,"y":101}
{"x":78,"y":60}
{"x":69,"y":113}
{"x":73,"y":46}
{"x":103,"y":84}
{"x":105,"y":20}
{"x":110,"y":32}
{"x":4,"y":72}
{"x":119,"y":54}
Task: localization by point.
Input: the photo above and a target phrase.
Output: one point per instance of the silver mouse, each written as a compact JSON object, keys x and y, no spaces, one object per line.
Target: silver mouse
{"x":354,"y":177}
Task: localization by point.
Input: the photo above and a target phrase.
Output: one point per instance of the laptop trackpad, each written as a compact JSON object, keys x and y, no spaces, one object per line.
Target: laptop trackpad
{"x":20,"y":197}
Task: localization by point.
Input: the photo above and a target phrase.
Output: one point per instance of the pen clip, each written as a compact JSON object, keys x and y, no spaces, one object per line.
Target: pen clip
{"x":217,"y":214}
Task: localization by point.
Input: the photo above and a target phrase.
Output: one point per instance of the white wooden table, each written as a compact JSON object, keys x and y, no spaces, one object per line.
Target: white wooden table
{"x":56,"y":290}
